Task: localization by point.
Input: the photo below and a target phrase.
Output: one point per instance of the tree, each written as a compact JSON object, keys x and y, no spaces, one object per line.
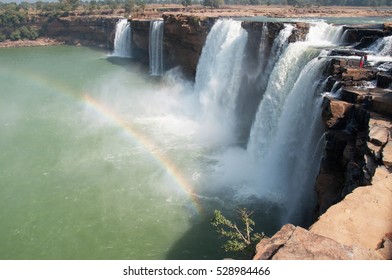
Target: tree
{"x":128,"y":6}
{"x":292,"y":2}
{"x":239,"y":240}
{"x":2,"y":37}
{"x":15,"y":36}
{"x":186,"y":3}
{"x":24,"y":6}
{"x":213,"y":3}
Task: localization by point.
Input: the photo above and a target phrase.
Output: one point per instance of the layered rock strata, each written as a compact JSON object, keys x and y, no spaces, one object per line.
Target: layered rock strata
{"x":185,"y":35}
{"x":91,"y":31}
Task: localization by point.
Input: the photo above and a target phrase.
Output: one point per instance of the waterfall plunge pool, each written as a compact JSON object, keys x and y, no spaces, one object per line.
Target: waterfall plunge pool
{"x":97,"y":159}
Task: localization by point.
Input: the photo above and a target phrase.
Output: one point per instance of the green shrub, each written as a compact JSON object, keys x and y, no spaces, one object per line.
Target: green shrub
{"x":33,"y":33}
{"x":15,"y":36}
{"x":2,"y":37}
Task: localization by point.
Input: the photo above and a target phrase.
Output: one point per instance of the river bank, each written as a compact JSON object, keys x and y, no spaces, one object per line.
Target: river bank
{"x":77,"y":19}
{"x":40,"y":42}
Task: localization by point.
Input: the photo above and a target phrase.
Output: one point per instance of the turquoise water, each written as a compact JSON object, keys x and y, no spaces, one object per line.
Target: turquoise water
{"x":75,"y":183}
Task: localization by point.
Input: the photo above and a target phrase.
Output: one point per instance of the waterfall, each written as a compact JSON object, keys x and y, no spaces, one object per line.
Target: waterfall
{"x":285,"y":136}
{"x":156,"y":48}
{"x":382,"y":46}
{"x":122,"y":39}
{"x":279,"y":45}
{"x":219,"y":71}
{"x":281,"y":81}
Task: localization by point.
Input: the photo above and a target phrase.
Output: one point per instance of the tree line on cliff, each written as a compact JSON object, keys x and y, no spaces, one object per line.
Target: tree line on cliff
{"x":16,"y":19}
{"x":129,"y":5}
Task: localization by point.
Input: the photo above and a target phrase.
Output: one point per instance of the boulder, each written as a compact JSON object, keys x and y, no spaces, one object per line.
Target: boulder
{"x":381,"y":101}
{"x":296,"y":243}
{"x":268,"y":247}
{"x":378,"y":135}
{"x":335,"y":113}
{"x":362,"y":218}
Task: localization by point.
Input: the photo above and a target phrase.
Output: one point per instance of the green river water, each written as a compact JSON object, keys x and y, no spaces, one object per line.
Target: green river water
{"x":74,"y":184}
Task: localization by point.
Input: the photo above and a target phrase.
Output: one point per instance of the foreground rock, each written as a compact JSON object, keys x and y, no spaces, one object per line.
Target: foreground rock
{"x":363,"y":218}
{"x":296,"y":243}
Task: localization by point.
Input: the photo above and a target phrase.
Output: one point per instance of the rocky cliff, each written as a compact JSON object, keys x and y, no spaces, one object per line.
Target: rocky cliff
{"x":183,"y":40}
{"x":185,"y":35}
{"x":358,"y":129}
{"x":92,"y":31}
{"x":97,"y":31}
{"x":354,"y":186}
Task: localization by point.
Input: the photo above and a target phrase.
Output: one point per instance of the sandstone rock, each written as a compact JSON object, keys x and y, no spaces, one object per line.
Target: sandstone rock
{"x":380,"y":120}
{"x":380,"y":174}
{"x":385,"y":248}
{"x":335,"y":113}
{"x":343,"y":166}
{"x":268,"y":247}
{"x":378,"y":135}
{"x":362,"y":218}
{"x":356,"y":95}
{"x":381,"y":101}
{"x":357,"y":74}
{"x":387,"y":155}
{"x":184,"y":39}
{"x":296,"y":243}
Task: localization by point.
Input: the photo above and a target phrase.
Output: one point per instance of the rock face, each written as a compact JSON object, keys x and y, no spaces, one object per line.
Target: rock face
{"x":84,"y":30}
{"x":185,"y":35}
{"x":362,"y":219}
{"x":364,"y":35}
{"x":343,"y":167}
{"x":296,"y":243}
{"x":140,"y":39}
{"x":184,"y":38}
{"x":357,"y":139}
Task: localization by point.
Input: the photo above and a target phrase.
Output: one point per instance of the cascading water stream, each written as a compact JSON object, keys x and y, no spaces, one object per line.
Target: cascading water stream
{"x":122,"y":39}
{"x":219,"y":71}
{"x":382,"y":46}
{"x":156,"y":48}
{"x":284,"y":139}
{"x":279,"y":45}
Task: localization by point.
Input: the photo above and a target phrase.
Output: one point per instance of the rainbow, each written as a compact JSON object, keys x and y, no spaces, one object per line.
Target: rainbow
{"x":142,"y":139}
{"x":128,"y":127}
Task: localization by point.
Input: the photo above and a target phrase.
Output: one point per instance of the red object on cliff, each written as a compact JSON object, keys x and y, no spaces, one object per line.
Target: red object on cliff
{"x":361,"y":62}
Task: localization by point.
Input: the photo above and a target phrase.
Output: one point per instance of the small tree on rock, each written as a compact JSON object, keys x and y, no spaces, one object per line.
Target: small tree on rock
{"x":240,"y":240}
